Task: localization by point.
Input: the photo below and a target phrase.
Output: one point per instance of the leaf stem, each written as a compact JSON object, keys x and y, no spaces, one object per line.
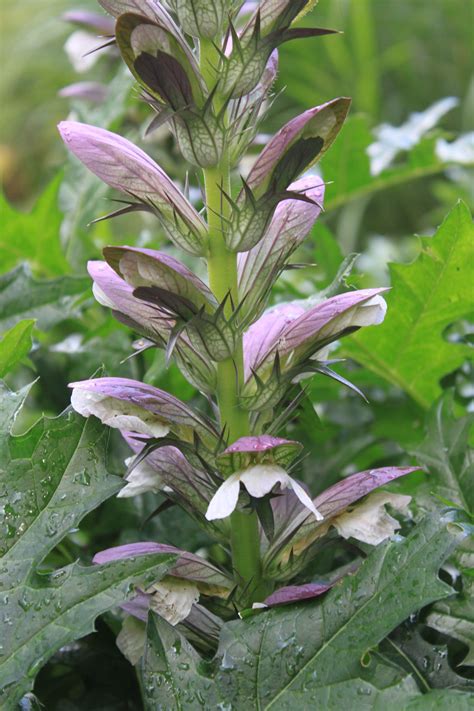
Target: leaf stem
{"x":222,"y":270}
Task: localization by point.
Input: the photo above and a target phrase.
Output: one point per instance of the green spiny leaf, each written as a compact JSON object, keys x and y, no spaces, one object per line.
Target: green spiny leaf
{"x":324,"y":642}
{"x":34,"y":237}
{"x":50,"y":302}
{"x":15,"y":344}
{"x":409,"y":349}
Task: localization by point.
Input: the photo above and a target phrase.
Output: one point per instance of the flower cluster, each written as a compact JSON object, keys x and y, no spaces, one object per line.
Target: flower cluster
{"x":207,"y":69}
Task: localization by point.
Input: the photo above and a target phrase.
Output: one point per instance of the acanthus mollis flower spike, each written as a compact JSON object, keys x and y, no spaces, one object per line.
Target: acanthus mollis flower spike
{"x":127,"y":168}
{"x":287,"y":551}
{"x":131,"y":406}
{"x":148,"y":320}
{"x":297,"y":593}
{"x":171,"y":78}
{"x":291,"y":152}
{"x":261,"y":473}
{"x":261,"y":266}
{"x":295,"y":334}
{"x":201,"y":18}
{"x":267,"y":29}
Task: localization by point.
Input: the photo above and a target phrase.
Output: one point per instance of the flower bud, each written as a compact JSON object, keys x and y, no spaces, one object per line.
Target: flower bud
{"x":201,"y":18}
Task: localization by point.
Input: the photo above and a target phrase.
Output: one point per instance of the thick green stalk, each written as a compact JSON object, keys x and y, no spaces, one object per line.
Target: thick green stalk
{"x":222,"y":269}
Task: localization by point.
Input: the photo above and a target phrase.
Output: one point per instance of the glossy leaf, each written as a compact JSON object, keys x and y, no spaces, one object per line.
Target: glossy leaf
{"x":34,"y":237}
{"x":52,"y":476}
{"x":285,"y":657}
{"x":49,"y":302}
{"x":15,"y":344}
{"x":446,"y":454}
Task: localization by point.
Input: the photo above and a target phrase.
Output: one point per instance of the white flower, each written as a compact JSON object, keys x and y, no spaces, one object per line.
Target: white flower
{"x":369,"y":522}
{"x":258,"y":480}
{"x":78,"y":46}
{"x":123,"y":415}
{"x":142,"y":478}
{"x":392,"y":139}
{"x":459,"y":151}
{"x":173,"y":599}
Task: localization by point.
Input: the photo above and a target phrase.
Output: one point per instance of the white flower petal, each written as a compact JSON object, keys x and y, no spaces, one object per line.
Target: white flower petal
{"x":370,"y":313}
{"x":131,"y":639}
{"x":305,"y":499}
{"x":173,"y":599}
{"x":142,"y":478}
{"x":101,"y":297}
{"x":225,"y":499}
{"x":261,"y":478}
{"x":116,"y":413}
{"x":369,"y":522}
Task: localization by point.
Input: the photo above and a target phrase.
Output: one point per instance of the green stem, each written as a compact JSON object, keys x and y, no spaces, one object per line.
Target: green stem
{"x":222,"y":269}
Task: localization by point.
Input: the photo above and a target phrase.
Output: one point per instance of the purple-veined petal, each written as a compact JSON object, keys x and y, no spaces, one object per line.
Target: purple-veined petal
{"x":295,"y":593}
{"x":112,"y":291}
{"x":257,"y":449}
{"x":264,"y":334}
{"x":123,"y":166}
{"x":150,"y":321}
{"x":291,"y":222}
{"x":138,"y":606}
{"x":331,"y":318}
{"x":188,"y":565}
{"x":92,"y":91}
{"x":148,"y":267}
{"x":90,"y":20}
{"x":321,"y":122}
{"x":294,"y":327}
{"x":132,"y":406}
